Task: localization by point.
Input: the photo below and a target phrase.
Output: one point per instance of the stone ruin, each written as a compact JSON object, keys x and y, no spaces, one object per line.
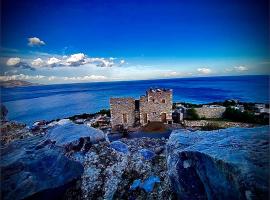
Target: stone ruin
{"x":128,"y":112}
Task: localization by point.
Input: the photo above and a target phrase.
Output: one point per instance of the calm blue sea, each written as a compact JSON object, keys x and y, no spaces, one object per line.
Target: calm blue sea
{"x":29,"y":104}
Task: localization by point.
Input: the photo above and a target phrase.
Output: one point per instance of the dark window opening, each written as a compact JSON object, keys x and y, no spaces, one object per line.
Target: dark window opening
{"x":137,"y":104}
{"x":145,"y":120}
{"x":125,"y":118}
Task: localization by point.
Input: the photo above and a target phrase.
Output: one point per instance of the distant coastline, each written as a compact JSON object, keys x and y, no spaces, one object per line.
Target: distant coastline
{"x":27,"y":83}
{"x":16,"y":83}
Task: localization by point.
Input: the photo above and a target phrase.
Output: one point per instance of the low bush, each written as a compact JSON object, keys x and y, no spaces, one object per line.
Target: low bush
{"x":246,"y":116}
{"x":105,"y":111}
{"x":192,"y":114}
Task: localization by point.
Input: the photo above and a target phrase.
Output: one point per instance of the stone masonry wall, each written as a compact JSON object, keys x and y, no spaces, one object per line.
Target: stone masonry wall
{"x":120,"y":106}
{"x":154,"y":104}
{"x":206,"y":112}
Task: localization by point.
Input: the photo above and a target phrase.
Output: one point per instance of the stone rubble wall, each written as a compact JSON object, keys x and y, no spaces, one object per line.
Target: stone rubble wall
{"x":223,"y":124}
{"x":120,"y":106}
{"x":152,"y":105}
{"x":210,"y":112}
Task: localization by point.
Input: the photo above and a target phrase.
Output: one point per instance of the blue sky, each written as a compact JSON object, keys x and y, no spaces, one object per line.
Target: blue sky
{"x":55,"y":41}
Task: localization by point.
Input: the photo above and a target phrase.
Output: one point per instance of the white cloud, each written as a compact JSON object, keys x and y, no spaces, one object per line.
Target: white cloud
{"x":81,"y":59}
{"x":18,"y":63}
{"x":172,"y":74}
{"x":13,"y":61}
{"x":85,"y":78}
{"x":51,"y":78}
{"x":237,"y":69}
{"x":38,"y":62}
{"x":76,"y":59}
{"x":34,"y":41}
{"x":73,"y":60}
{"x":241,"y":68}
{"x":101,"y":62}
{"x":54,"y":78}
{"x":53,"y":61}
{"x":204,"y":70}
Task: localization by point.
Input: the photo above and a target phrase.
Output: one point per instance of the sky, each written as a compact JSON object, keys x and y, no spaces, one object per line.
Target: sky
{"x":56,"y":41}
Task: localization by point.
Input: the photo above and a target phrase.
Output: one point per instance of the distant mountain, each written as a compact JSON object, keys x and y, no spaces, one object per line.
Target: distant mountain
{"x":16,"y":83}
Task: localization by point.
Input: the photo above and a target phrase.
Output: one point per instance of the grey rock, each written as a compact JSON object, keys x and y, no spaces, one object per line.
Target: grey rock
{"x":68,"y":134}
{"x":120,"y":146}
{"x":31,"y":166}
{"x":147,"y":154}
{"x":109,"y":173}
{"x":230,"y":163}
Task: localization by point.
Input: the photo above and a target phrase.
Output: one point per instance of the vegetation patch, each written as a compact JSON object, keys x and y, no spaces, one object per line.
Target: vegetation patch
{"x":192,"y":114}
{"x":246,"y":116}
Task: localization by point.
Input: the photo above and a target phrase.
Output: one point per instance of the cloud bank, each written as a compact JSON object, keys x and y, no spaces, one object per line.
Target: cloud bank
{"x":241,"y":68}
{"x":16,"y":62}
{"x":237,"y":69}
{"x":54,"y":78}
{"x":204,"y":70}
{"x":73,"y":60}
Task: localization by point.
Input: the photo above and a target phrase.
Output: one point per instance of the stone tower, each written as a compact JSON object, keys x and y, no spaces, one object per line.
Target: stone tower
{"x":156,"y":105}
{"x":122,"y":111}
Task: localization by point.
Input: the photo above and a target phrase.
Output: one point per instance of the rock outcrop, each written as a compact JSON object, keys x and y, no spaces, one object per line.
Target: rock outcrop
{"x":33,"y":167}
{"x":110,"y":170}
{"x":230,"y":163}
{"x":11,"y":131}
{"x":67,"y":134}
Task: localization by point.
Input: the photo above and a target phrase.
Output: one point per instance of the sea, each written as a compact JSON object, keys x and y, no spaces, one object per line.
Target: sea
{"x":48,"y":102}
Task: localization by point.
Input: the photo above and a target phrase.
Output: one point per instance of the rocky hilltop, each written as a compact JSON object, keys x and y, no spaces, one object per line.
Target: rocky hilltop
{"x":64,"y":160}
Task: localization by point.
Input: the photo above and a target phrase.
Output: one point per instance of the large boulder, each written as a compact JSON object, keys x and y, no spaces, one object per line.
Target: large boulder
{"x":34,"y":168}
{"x":230,"y":163}
{"x":68,"y":134}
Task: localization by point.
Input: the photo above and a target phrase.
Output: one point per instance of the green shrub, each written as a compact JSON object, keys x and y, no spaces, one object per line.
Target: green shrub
{"x":246,"y":116}
{"x":192,"y":114}
{"x":228,"y":103}
{"x":105,"y":111}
